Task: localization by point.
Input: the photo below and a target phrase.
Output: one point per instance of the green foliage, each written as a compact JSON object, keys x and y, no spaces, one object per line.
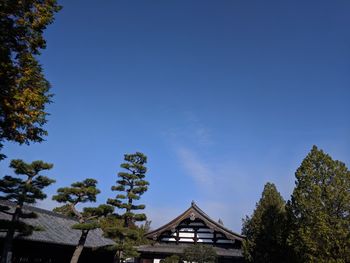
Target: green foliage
{"x":265,"y":230}
{"x":21,"y":191}
{"x":171,"y":259}
{"x":131,"y":185}
{"x":82,"y":192}
{"x":29,"y":190}
{"x":24,"y":90}
{"x":122,"y":228}
{"x":319,"y":210}
{"x":26,"y":190}
{"x":79,"y":192}
{"x":65,"y":210}
{"x":125,"y":238}
{"x":88,"y":219}
{"x":200,"y":254}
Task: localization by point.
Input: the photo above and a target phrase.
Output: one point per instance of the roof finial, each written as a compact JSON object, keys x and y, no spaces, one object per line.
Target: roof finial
{"x":193,"y":203}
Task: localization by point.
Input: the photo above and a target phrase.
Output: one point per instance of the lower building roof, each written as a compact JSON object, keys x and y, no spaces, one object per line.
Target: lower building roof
{"x":56,"y":228}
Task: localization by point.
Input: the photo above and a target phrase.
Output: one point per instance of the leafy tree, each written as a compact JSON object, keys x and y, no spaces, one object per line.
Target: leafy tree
{"x":200,"y":254}
{"x":320,"y":210}
{"x":21,"y":191}
{"x":89,"y":218}
{"x":265,"y":230}
{"x":24,"y":90}
{"x":131,"y":186}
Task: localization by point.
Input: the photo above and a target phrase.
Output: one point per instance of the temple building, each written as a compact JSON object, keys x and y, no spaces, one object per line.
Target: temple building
{"x":191,"y":227}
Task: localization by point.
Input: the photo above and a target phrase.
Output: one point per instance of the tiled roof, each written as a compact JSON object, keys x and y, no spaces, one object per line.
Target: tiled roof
{"x":198,"y":213}
{"x":56,"y":228}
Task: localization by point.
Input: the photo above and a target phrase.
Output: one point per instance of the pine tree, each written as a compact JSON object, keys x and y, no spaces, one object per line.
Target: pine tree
{"x":265,"y":230}
{"x":131,"y":186}
{"x":125,"y":238}
{"x":21,"y":191}
{"x":320,"y":210}
{"x":89,"y":218}
{"x":24,"y":91}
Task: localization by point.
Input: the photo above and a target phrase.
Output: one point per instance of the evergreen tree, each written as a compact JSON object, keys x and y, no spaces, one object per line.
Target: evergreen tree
{"x":320,"y":210}
{"x":24,"y":90}
{"x":131,"y":186}
{"x":199,"y":253}
{"x":89,"y":218}
{"x":21,"y":191}
{"x":265,"y":230}
{"x":125,"y":238}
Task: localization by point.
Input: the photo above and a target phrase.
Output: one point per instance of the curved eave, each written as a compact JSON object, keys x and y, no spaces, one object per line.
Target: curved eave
{"x":198,"y":214}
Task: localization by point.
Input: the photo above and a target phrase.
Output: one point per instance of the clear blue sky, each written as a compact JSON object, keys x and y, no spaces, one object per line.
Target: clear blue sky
{"x":222,"y":96}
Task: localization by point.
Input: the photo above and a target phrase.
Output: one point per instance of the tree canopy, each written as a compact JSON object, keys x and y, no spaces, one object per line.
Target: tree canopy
{"x":131,"y":186}
{"x":24,"y":90}
{"x":320,"y":210}
{"x":265,"y":230}
{"x":21,"y":191}
{"x":90,"y":217}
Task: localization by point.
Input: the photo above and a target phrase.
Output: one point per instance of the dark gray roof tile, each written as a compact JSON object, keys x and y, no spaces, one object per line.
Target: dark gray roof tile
{"x":56,"y":228}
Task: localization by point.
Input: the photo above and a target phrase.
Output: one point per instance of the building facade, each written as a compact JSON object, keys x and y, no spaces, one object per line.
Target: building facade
{"x":192,"y":227}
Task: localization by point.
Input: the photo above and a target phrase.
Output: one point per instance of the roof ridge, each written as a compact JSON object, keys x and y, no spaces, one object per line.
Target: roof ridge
{"x":214,"y":222}
{"x":38,"y":210}
{"x":203,"y":214}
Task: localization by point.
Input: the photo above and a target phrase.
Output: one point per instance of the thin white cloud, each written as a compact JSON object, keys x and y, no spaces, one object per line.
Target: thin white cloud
{"x":194,"y":167}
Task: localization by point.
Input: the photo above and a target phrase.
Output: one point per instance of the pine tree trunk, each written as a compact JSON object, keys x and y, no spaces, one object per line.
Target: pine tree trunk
{"x":6,"y":256}
{"x":79,"y":248}
{"x":7,"y":250}
{"x":117,"y":257}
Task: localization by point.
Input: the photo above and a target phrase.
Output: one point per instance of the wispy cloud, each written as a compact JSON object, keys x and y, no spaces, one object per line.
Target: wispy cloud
{"x":220,"y":181}
{"x":194,"y":167}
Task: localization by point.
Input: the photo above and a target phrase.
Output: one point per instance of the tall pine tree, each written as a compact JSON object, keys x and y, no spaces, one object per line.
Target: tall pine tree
{"x":131,"y":186}
{"x":21,"y":191}
{"x":265,"y":230}
{"x":89,"y":218}
{"x":320,"y":210}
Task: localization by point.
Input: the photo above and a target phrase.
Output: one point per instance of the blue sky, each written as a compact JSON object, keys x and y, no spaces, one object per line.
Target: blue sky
{"x":222,"y":96}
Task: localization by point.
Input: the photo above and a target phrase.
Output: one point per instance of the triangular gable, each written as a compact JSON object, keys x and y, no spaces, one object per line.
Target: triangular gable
{"x":194,"y":226}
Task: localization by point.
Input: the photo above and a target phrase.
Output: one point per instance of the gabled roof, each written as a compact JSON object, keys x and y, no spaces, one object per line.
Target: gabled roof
{"x":195,"y":211}
{"x":56,"y":228}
